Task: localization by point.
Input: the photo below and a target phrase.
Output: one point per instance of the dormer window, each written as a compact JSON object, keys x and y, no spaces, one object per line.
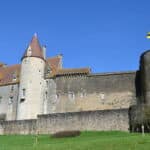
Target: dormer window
{"x":29,"y":52}
{"x":14,"y":77}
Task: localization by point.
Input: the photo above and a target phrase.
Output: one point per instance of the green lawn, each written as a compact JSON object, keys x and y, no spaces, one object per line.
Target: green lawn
{"x":86,"y":141}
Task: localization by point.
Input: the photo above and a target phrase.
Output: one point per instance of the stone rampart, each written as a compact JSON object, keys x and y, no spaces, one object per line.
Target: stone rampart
{"x":18,"y":127}
{"x":100,"y":120}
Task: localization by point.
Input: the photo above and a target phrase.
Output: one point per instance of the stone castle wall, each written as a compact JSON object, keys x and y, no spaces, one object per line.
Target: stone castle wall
{"x":8,"y":101}
{"x":101,"y":120}
{"x":93,"y":92}
{"x":18,"y":127}
{"x":77,"y":93}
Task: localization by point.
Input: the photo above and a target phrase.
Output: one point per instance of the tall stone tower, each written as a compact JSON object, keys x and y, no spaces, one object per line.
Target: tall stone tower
{"x":145,"y":77}
{"x":30,"y":100}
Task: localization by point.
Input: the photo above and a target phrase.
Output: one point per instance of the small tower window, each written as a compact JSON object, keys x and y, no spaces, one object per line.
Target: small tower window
{"x":25,"y":61}
{"x":10,"y":100}
{"x":22,"y":100}
{"x":47,"y":83}
{"x":46,"y":94}
{"x":23,"y":92}
{"x":23,"y":95}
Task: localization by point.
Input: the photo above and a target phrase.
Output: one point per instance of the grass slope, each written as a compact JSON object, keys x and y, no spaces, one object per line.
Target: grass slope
{"x":86,"y":141}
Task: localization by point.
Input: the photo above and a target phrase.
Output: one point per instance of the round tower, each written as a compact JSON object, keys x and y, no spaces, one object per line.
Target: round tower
{"x":30,"y":100}
{"x":145,"y":77}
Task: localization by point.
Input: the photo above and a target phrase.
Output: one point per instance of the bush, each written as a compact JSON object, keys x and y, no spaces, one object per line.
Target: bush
{"x":63,"y":134}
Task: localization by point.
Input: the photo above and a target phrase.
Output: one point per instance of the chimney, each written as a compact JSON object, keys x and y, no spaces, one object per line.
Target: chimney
{"x":44,"y":51}
{"x":61,"y":62}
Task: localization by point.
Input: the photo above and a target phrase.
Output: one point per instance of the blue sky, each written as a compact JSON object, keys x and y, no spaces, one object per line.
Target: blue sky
{"x":106,"y":35}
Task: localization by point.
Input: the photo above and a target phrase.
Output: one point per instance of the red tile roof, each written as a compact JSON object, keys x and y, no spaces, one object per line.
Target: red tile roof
{"x":73,"y":71}
{"x":7,"y":73}
{"x":54,"y":62}
{"x":36,"y":50}
{"x":10,"y":74}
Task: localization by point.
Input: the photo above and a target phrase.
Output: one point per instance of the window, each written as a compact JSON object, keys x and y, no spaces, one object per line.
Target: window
{"x":22,"y":100}
{"x":46,"y":94}
{"x":10,"y":100}
{"x":23,"y":92}
{"x":48,"y":70}
{"x":102,"y":96}
{"x":25,"y":61}
{"x":57,"y":96}
{"x":0,"y":99}
{"x":71,"y":95}
{"x":12,"y":88}
{"x":47,"y":83}
{"x":83,"y":94}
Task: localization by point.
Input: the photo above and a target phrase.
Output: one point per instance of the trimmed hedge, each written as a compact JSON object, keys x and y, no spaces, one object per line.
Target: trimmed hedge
{"x":63,"y":134}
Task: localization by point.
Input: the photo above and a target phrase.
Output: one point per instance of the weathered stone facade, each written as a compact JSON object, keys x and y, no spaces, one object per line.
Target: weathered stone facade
{"x":95,"y":92}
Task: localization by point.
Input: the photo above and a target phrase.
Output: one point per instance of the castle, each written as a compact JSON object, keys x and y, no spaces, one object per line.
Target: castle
{"x":40,"y":93}
{"x":34,"y":87}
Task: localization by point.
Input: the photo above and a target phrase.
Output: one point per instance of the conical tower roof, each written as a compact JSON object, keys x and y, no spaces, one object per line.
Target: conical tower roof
{"x":34,"y":49}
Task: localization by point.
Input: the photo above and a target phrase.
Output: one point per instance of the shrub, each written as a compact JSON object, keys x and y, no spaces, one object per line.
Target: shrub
{"x":63,"y":134}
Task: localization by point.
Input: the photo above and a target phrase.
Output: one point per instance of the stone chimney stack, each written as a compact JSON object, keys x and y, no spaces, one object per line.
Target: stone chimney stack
{"x":44,"y":51}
